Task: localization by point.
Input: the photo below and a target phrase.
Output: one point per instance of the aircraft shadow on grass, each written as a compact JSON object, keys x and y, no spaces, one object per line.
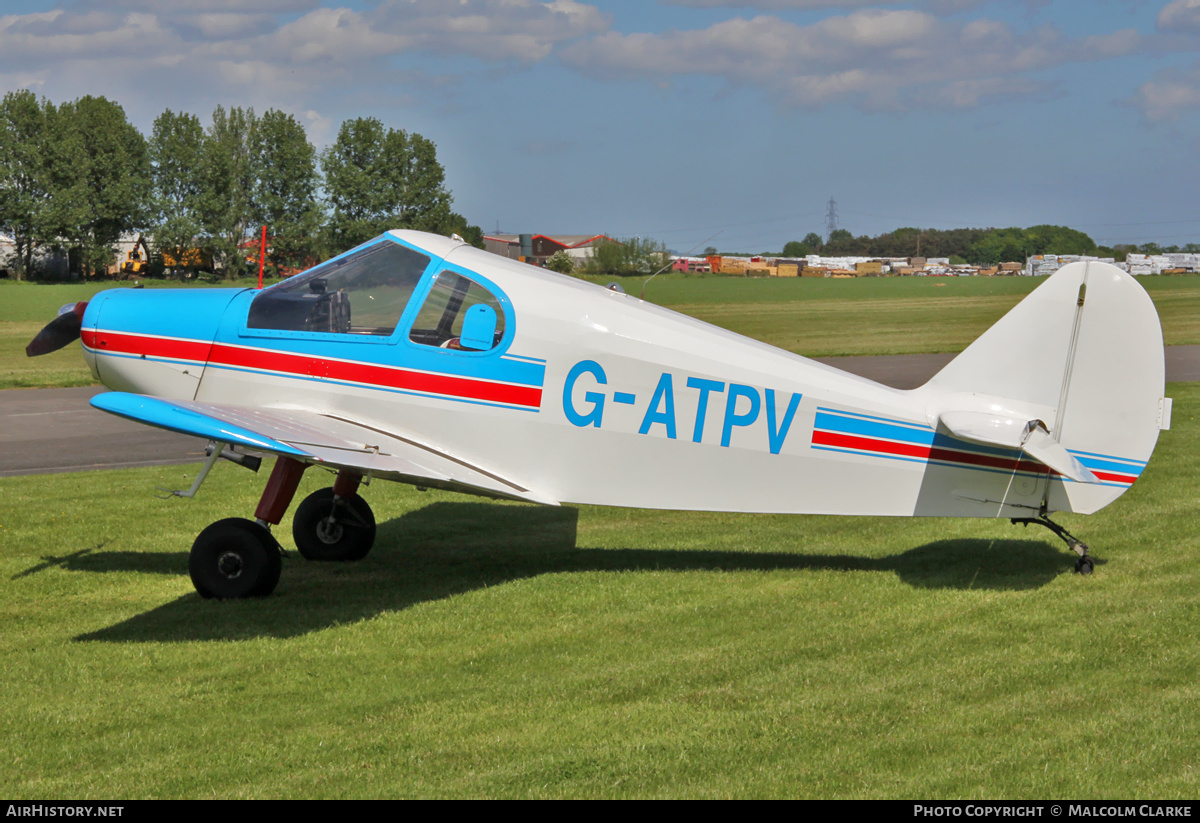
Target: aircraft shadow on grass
{"x":452,"y":548}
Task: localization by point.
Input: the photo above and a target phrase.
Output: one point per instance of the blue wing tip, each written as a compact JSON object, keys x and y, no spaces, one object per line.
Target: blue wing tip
{"x":165,"y":414}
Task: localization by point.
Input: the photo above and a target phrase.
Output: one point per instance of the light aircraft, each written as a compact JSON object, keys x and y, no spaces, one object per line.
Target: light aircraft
{"x":420,"y":359}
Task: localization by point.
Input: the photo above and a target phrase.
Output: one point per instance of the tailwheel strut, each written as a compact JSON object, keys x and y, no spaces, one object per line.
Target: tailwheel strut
{"x":1085,"y":564}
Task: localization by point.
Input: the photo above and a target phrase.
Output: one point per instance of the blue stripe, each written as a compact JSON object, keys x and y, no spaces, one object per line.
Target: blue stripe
{"x":870,"y":417}
{"x":1105,"y":465}
{"x":1077,"y":453}
{"x":868,"y":427}
{"x":523,"y":359}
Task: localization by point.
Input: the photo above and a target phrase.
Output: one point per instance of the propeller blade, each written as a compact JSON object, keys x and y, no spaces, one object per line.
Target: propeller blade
{"x":58,"y":332}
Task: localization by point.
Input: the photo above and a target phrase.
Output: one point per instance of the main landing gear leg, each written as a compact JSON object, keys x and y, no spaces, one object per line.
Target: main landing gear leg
{"x":235,"y":557}
{"x":1084,"y":564}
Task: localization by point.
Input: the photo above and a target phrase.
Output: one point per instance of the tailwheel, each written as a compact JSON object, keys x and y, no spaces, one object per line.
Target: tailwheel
{"x":1085,"y":564}
{"x":235,"y":558}
{"x":328,"y":526}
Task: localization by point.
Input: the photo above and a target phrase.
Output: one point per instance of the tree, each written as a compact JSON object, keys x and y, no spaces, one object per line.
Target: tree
{"x":103,"y":180}
{"x":794,"y":248}
{"x":561,"y":262}
{"x":379,"y":178}
{"x":472,"y":234}
{"x":229,"y":176}
{"x":813,"y":241}
{"x":841,"y":241}
{"x":24,"y":185}
{"x":631,"y":256}
{"x":284,"y":196}
{"x":176,"y":152}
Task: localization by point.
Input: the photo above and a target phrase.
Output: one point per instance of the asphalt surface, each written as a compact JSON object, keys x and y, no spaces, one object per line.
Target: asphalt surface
{"x":55,"y":430}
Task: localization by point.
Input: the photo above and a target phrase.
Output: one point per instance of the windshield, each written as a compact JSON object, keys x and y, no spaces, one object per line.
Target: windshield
{"x":363,"y":292}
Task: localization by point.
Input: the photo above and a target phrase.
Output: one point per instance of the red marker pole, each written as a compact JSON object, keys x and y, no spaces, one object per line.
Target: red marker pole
{"x":262,"y":253}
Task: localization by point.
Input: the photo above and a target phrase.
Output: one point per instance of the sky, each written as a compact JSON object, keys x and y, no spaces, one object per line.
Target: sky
{"x":729,"y":123}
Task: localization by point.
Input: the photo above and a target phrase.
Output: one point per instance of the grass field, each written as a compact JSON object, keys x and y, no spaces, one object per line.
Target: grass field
{"x":813,"y":317}
{"x":496,"y":650}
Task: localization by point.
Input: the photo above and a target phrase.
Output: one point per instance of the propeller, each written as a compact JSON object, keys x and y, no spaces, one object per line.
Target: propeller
{"x":58,"y":332}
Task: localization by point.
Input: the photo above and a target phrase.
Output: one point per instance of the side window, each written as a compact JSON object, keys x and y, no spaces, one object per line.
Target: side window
{"x":363,"y":292}
{"x":459,"y":314}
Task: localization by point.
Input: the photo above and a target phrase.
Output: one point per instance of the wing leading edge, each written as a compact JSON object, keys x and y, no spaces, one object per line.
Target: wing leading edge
{"x":327,"y":439}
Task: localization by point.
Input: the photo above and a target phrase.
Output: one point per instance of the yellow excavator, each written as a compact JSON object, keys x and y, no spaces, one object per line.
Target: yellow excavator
{"x":137,"y":260}
{"x":186,"y":261}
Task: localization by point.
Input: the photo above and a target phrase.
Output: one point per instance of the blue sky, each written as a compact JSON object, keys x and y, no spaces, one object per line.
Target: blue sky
{"x":679,"y":119}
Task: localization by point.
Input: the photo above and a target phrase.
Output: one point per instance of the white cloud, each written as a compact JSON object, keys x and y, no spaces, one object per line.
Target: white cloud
{"x":1180,"y":16}
{"x":1169,"y":93}
{"x":286,"y":50}
{"x":874,"y":58}
{"x":171,"y":7}
{"x":781,"y":5}
{"x":51,"y":37}
{"x":490,"y":30}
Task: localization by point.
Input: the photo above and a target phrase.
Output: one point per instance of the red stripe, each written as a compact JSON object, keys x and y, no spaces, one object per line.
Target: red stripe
{"x":920,"y":451}
{"x":849,"y":441}
{"x":377,"y":375}
{"x":464,"y":387}
{"x":151,"y":346}
{"x":1115,"y":478}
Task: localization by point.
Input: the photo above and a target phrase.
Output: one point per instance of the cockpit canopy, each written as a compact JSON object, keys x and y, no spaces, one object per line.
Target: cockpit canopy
{"x":366,"y":292}
{"x":363,"y":292}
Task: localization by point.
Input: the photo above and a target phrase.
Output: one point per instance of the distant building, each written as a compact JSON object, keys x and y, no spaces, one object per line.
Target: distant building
{"x":1045,"y":264}
{"x":538,"y":248}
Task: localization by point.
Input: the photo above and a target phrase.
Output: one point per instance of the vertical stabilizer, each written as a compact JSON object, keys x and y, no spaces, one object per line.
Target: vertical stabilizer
{"x":1083,"y":353}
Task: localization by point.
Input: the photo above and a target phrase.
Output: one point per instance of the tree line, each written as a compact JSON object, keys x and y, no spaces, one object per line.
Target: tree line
{"x":982,"y":247}
{"x":77,"y":176}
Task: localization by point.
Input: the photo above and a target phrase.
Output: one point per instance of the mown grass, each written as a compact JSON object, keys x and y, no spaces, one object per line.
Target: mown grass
{"x":813,"y":317}
{"x":496,"y":650}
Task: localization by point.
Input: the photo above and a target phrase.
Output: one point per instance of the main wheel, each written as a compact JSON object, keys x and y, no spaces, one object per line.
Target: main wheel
{"x":325,"y":529}
{"x":235,"y":558}
{"x":1084,"y":565}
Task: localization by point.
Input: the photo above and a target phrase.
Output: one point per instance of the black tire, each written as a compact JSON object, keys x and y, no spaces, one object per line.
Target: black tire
{"x":235,"y":558}
{"x":350,"y":537}
{"x":1084,"y":565}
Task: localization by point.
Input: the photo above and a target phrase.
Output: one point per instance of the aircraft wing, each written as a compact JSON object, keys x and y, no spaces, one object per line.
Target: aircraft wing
{"x":313,"y":437}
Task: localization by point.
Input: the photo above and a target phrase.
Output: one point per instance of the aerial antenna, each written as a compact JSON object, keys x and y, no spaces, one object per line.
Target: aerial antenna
{"x":831,"y":220}
{"x":688,"y":253}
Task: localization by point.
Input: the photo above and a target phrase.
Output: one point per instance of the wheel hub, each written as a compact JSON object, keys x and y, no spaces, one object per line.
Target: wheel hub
{"x":230,"y":565}
{"x":329,"y":531}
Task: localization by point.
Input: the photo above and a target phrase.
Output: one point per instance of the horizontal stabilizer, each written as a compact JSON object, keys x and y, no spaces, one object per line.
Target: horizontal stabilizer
{"x":1030,"y":436}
